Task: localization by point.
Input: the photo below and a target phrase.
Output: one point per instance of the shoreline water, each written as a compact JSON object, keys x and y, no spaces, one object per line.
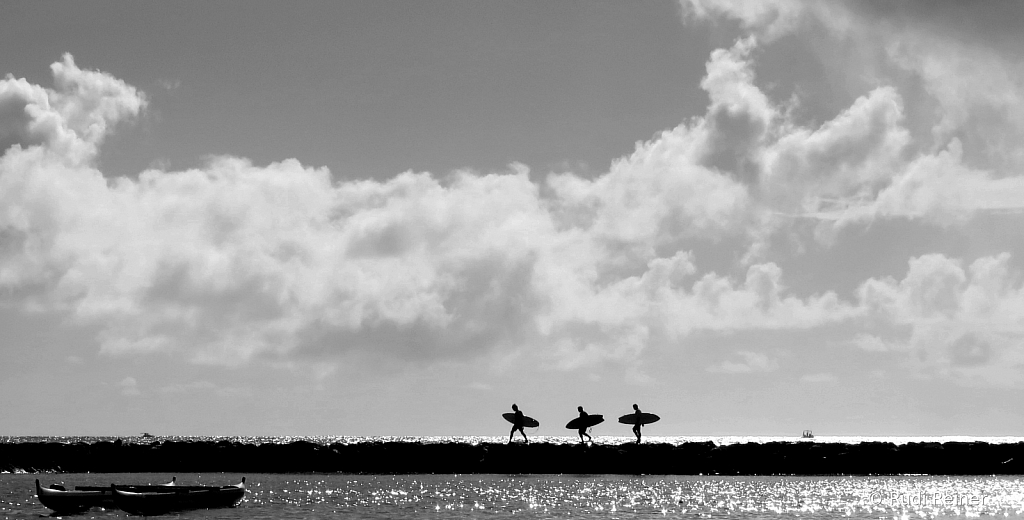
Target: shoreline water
{"x":675,"y":440}
{"x":597,"y":497}
{"x":485,"y":456}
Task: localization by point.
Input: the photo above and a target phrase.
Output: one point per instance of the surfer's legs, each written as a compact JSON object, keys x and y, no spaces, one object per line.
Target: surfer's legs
{"x":583,"y":431}
{"x":636,"y":431}
{"x":513,"y":432}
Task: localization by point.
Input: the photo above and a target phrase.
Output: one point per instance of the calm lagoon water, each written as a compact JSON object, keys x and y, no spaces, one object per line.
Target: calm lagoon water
{"x":566,"y":496}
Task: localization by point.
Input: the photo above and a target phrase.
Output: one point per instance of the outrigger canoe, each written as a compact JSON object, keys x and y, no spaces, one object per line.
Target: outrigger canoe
{"x":83,"y":498}
{"x":180,"y":498}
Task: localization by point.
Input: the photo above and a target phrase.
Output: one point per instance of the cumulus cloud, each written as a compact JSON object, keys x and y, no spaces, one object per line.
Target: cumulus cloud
{"x":772,"y":18}
{"x":942,"y":189}
{"x":870,"y":343}
{"x":129,"y":387}
{"x":234,"y":261}
{"x":950,"y":321}
{"x":960,"y":155}
{"x":750,"y":362}
{"x":71,"y":119}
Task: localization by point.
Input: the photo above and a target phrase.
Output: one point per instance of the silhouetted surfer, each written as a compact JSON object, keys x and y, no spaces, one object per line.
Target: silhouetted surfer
{"x":583,"y":430}
{"x":517,"y":424}
{"x":637,"y":422}
{"x":638,"y":419}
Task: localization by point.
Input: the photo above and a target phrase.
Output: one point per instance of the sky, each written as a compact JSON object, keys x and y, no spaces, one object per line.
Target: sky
{"x":751,"y":217}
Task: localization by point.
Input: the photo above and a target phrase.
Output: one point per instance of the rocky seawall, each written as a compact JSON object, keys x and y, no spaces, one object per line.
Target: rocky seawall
{"x":694,"y":458}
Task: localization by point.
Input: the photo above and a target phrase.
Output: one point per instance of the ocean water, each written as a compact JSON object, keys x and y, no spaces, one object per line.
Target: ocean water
{"x":312,"y":496}
{"x":551,"y":439}
{"x":295,"y":497}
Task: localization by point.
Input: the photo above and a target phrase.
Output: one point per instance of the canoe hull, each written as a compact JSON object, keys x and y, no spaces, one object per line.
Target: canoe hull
{"x":156,"y":503}
{"x":139,"y":499}
{"x":62,"y":501}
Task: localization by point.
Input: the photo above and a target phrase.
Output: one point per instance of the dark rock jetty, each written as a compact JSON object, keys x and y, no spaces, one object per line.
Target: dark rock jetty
{"x":694,"y":458}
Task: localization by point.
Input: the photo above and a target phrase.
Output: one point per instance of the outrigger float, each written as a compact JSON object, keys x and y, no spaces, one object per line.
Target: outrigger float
{"x":140,"y":499}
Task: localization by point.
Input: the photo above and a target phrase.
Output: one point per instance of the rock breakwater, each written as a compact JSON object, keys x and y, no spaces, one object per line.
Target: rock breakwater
{"x":692,"y":458}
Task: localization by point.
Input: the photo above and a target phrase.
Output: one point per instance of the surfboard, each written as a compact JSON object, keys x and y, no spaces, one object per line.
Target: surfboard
{"x":528,"y":422}
{"x":645,"y":418}
{"x":585,"y":422}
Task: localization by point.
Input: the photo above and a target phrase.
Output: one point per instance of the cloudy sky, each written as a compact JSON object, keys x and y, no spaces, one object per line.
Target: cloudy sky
{"x":751,"y":217}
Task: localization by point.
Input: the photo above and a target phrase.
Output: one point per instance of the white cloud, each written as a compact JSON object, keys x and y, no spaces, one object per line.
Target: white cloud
{"x":952,"y":322}
{"x":871,"y":343}
{"x":772,"y":17}
{"x":851,"y":156}
{"x":942,"y":189}
{"x":129,"y":386}
{"x":751,"y":362}
{"x":73,"y":118}
{"x":234,"y":261}
{"x":961,"y":153}
{"x":169,"y":84}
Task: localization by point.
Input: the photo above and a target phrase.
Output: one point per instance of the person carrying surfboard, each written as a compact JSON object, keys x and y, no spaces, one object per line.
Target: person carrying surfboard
{"x":637,"y":422}
{"x":638,"y":419}
{"x":517,"y":424}
{"x":583,"y":429}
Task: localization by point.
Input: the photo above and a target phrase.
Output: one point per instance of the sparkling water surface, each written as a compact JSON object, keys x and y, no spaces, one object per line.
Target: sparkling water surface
{"x":310,"y":496}
{"x":535,"y":435}
{"x":565,"y":496}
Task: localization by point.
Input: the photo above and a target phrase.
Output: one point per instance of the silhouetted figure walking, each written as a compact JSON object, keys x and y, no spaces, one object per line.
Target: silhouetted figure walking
{"x":638,"y":419}
{"x":637,"y":422}
{"x":583,"y":429}
{"x":517,"y":424}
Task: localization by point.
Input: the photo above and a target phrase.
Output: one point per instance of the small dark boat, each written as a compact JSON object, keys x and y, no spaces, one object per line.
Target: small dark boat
{"x":61,"y":500}
{"x":83,"y":498}
{"x":178,"y":498}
